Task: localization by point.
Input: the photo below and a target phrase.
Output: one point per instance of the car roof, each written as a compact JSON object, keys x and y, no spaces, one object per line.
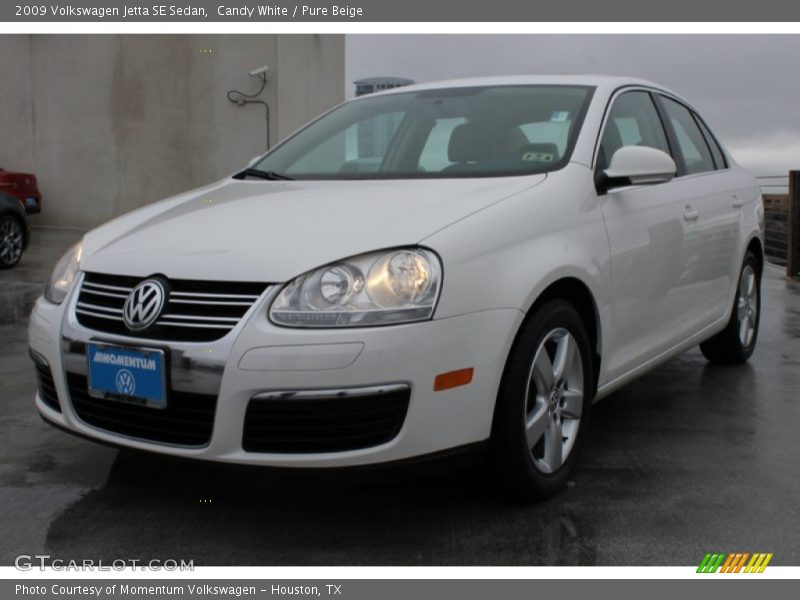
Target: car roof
{"x":603,"y":83}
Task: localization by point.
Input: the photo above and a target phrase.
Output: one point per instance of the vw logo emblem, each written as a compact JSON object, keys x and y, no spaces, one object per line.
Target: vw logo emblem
{"x":144,"y":304}
{"x":126,"y":384}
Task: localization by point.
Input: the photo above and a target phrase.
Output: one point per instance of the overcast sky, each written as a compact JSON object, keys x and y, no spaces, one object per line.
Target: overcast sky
{"x":746,"y":87}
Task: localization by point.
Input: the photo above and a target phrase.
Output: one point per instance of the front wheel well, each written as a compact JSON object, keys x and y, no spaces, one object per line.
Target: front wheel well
{"x":16,"y":216}
{"x":578,"y":294}
{"x":23,"y":225}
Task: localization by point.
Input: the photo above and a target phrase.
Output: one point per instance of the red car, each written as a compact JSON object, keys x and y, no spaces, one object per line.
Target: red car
{"x":23,"y":187}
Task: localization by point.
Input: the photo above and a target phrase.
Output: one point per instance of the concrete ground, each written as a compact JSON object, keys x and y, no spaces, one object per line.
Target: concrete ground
{"x":689,"y":459}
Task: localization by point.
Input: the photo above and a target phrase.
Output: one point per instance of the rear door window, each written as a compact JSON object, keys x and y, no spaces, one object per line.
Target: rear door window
{"x":696,"y":153}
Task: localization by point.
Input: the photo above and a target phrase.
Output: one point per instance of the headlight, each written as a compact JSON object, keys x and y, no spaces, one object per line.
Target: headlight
{"x":64,"y":275}
{"x":380,"y":288}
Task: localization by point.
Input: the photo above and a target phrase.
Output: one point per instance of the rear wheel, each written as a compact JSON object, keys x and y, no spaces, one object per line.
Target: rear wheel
{"x":11,"y":241}
{"x":543,"y":405}
{"x":734,"y":344}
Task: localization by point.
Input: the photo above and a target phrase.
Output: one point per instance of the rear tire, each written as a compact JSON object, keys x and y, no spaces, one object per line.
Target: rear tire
{"x":544,"y":400}
{"x":734,"y":344}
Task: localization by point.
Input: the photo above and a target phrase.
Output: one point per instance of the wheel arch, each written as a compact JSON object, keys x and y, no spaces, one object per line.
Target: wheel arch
{"x":576,"y":292}
{"x":756,"y":247}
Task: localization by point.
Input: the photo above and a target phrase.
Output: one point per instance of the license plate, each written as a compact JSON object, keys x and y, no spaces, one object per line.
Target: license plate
{"x":134,"y":375}
{"x":30,"y":202}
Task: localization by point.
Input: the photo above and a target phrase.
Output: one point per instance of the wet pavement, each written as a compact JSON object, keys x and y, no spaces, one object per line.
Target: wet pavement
{"x":690,"y":458}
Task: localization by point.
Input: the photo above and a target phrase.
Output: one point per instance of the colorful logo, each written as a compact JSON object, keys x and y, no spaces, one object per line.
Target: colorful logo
{"x":737,"y":562}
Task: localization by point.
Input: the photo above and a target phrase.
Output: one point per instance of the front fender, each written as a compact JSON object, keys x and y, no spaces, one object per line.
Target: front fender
{"x":507,"y":255}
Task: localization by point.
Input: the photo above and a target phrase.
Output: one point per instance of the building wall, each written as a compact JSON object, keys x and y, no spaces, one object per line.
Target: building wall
{"x":316,"y":84}
{"x":111,"y":123}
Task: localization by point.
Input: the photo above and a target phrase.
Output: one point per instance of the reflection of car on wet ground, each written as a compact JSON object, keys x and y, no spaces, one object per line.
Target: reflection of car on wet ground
{"x":14,"y":231}
{"x":23,"y":187}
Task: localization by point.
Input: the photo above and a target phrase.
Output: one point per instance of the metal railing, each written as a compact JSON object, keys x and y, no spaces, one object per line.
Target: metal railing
{"x":775,"y":191}
{"x":781,"y":195}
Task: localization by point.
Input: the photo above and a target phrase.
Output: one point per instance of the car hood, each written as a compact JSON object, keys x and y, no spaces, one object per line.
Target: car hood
{"x":272,"y":231}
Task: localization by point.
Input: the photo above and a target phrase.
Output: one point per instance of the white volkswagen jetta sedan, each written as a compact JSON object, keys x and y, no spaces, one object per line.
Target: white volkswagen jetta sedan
{"x":416,"y":271}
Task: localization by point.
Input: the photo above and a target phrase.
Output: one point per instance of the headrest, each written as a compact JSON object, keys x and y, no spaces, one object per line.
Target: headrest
{"x":468,"y":144}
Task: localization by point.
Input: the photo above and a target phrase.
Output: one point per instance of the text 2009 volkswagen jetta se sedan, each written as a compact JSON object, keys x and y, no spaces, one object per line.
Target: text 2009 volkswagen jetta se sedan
{"x":413,"y":272}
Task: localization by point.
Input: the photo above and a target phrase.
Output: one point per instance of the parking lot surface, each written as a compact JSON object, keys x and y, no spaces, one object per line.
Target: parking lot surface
{"x":689,"y":459}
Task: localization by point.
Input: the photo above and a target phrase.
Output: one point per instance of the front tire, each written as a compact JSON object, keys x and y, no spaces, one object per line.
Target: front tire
{"x":734,"y":344}
{"x":12,"y":238}
{"x":544,"y":400}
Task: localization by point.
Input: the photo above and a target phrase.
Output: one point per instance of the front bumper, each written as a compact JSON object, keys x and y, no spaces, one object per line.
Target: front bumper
{"x":258,"y":359}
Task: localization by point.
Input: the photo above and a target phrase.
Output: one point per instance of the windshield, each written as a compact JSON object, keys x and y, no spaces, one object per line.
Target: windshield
{"x":450,"y":132}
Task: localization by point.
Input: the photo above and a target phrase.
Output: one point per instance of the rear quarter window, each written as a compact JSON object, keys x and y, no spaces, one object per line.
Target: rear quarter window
{"x":720,"y":162}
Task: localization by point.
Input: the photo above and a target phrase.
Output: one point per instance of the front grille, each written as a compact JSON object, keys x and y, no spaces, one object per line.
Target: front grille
{"x":187,"y":421}
{"x":196,"y":311}
{"x":47,"y":387}
{"x":307,"y":425}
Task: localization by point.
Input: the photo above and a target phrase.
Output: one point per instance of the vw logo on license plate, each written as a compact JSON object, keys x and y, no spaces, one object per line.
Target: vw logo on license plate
{"x":126,"y":383}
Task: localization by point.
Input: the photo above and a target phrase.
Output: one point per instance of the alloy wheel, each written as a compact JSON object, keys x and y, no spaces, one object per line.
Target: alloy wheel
{"x":747,"y":305}
{"x":10,"y":241}
{"x":554,"y":400}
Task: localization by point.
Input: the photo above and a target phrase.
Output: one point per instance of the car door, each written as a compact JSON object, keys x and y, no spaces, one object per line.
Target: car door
{"x":651,"y":243}
{"x":715,"y":228}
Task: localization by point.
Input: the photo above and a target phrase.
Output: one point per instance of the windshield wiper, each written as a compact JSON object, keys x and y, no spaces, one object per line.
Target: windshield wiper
{"x":270,"y":175}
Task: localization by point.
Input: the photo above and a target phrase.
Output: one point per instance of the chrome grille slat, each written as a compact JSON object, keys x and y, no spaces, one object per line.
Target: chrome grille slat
{"x":93,"y":307}
{"x":81,"y":311}
{"x":210,"y":302}
{"x":106,"y":294}
{"x":220,"y":296}
{"x":196,"y":310}
{"x":199,"y":318}
{"x":101,"y":286}
{"x":195,"y":325}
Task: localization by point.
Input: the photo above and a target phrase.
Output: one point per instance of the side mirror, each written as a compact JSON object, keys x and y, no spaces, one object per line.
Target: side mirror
{"x":638,"y":165}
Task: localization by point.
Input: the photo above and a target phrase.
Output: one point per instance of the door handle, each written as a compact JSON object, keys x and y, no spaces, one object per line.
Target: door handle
{"x":737,"y":203}
{"x":690,"y":213}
